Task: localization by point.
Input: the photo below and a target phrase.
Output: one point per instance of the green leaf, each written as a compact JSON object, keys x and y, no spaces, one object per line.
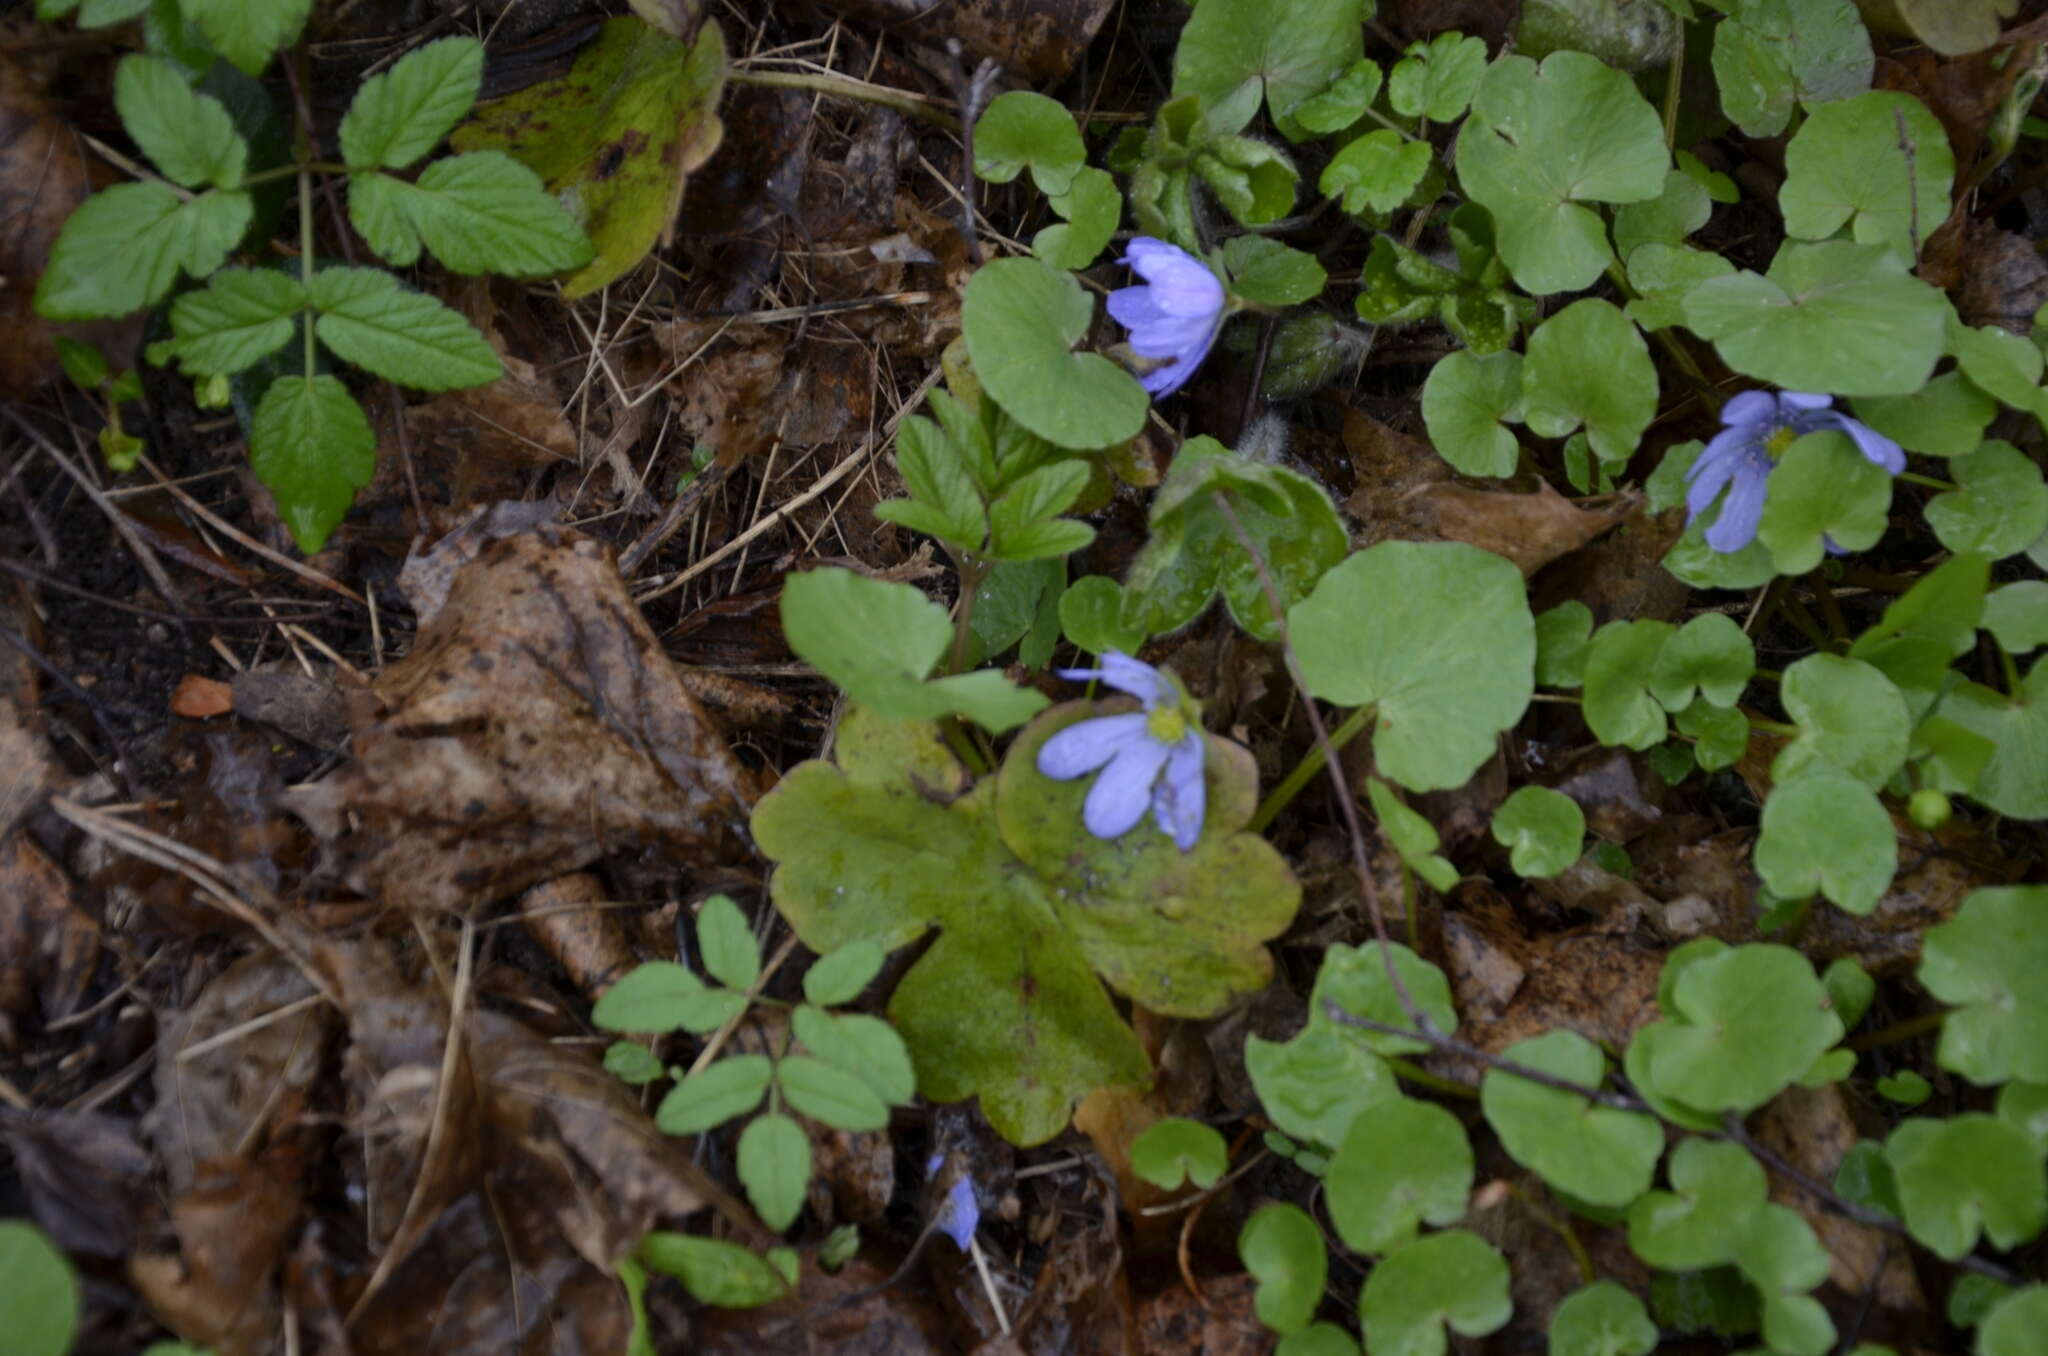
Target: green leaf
{"x":1773,"y":53}
{"x":1270,"y":273}
{"x":1028,"y":908}
{"x":1781,"y":1257}
{"x":1849,"y":163}
{"x":1019,"y":526}
{"x":1231,"y":51}
{"x":1827,"y":832}
{"x":866,"y":1047}
{"x":1620,"y":661}
{"x":1944,"y":418}
{"x":1091,"y":206}
{"x":1453,"y":1277}
{"x":248,"y":32}
{"x":2015,"y":1326}
{"x":83,"y":363}
{"x":1355,"y":979}
{"x":714,"y":1095}
{"x":1464,"y":400}
{"x":483,"y":212}
{"x":188,"y":135}
{"x":1283,"y":1249}
{"x":2013,"y":782}
{"x":1969,"y":1174}
{"x":39,"y":1299}
{"x":1740,"y":1026}
{"x":1720,"y":735}
{"x":399,"y":115}
{"x":1904,"y":1087}
{"x":1437,"y":637}
{"x":1926,"y":628}
{"x":1314,"y":1085}
{"x":1823,"y":490}
{"x":725,"y":943}
{"x":2001,"y":364}
{"x":1590,"y":1153}
{"x":241,"y":316}
{"x":1401,"y":1164}
{"x":632,"y":1063}
{"x":830,"y":1095}
{"x":1602,"y":1320}
{"x":878,"y":640}
{"x":1542,"y":829}
{"x":1346,"y":99}
{"x":1022,"y":318}
{"x":2002,"y":507}
{"x":1436,"y":79}
{"x":654,"y":997}
{"x":1667,"y":484}
{"x":1864,"y":1178}
{"x":1716,"y":1188}
{"x":615,"y":141}
{"x":1850,"y":717}
{"x":1022,"y":128}
{"x":1412,"y":836}
{"x":1663,"y":276}
{"x":714,"y":1272}
{"x":123,"y":248}
{"x":1708,"y":656}
{"x":839,"y":975}
{"x":1562,"y":633}
{"x":367,"y":319}
{"x":1588,"y":367}
{"x":774,"y":1163}
{"x":1375,"y":172}
{"x":1176,"y":1151}
{"x":1195,"y":551}
{"x":1092,"y":615}
{"x":1850,"y":990}
{"x":1987,"y":961}
{"x":2016,"y":615}
{"x":1540,"y":143}
{"x":1317,"y":1339}
{"x":1838,"y":317}
{"x":1667,"y":219}
{"x":312,"y":447}
{"x":1252,"y":179}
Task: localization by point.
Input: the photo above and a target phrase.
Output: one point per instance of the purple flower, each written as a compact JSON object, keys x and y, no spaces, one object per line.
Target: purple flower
{"x":1175,"y":317}
{"x":1759,"y":427}
{"x":1150,"y":757}
{"x":960,"y":1212}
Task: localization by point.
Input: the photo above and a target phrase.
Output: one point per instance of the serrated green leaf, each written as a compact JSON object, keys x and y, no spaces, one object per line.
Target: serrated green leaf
{"x":1590,"y":1153}
{"x":1178,"y":1151}
{"x":188,"y":135}
{"x":830,"y":1095}
{"x":1542,"y":829}
{"x":249,"y":32}
{"x":1969,"y":1174}
{"x":2002,"y":507}
{"x":632,"y":1063}
{"x":312,"y":447}
{"x":714,"y":1095}
{"x":123,"y":248}
{"x":1587,"y":366}
{"x":1402,"y":1163}
{"x":241,"y":316}
{"x":1464,"y":400}
{"x":1602,"y":1320}
{"x":839,"y":975}
{"x":867,"y":1048}
{"x":482,"y":212}
{"x":774,"y":1163}
{"x":1282,"y":1247}
{"x":1030,"y":502}
{"x":1453,"y":1277}
{"x":1436,"y":79}
{"x":725,"y":943}
{"x":399,"y":115}
{"x":1986,"y":960}
{"x":367,"y":319}
{"x":1375,"y":172}
{"x":1437,"y":636}
{"x":1022,"y":318}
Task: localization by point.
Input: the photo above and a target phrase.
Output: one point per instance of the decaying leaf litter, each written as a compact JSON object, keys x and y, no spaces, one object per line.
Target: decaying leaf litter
{"x":297,"y":970}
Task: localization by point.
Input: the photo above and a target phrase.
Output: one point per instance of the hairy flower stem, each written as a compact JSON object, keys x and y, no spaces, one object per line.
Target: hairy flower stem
{"x":973,"y":570}
{"x":1311,"y":763}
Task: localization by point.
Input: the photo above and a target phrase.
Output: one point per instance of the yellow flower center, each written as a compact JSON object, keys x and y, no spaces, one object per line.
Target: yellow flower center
{"x":1779,"y":439}
{"x":1166,"y":724}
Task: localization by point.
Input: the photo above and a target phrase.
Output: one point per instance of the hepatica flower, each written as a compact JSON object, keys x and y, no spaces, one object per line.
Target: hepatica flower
{"x":1150,"y":757}
{"x":1174,"y":317}
{"x":959,"y":1213}
{"x":1759,"y":427}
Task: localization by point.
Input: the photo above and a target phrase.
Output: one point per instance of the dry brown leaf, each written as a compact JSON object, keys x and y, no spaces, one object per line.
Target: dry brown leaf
{"x":1810,"y":1129}
{"x":232,"y":1223}
{"x":1221,"y":1323}
{"x":1530,"y":529}
{"x":568,"y":917}
{"x":200,"y":698}
{"x":1994,"y":276}
{"x":49,"y":946}
{"x":536,"y":727}
{"x":86,"y":1176}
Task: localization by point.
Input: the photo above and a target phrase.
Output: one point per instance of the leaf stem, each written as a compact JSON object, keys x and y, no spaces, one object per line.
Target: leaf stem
{"x":1421,"y":1077}
{"x":287,"y":171}
{"x":1674,"y":83}
{"x":1898,"y":1032}
{"x":1931,"y":482}
{"x":844,"y":88}
{"x":1311,"y":763}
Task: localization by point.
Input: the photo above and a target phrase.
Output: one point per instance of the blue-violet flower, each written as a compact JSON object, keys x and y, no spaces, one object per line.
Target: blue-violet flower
{"x":960,"y":1212}
{"x":1759,"y":427}
{"x":1174,"y":317}
{"x":1152,"y":757}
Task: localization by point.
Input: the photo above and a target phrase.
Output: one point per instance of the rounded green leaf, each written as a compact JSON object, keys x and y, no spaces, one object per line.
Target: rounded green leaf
{"x":1413,"y":837}
{"x":1562,"y":633}
{"x":39,"y":1295}
{"x":1022,"y":318}
{"x":2015,"y":779}
{"x":2002,"y":507}
{"x":1741,"y":1025}
{"x":1314,"y":1085}
{"x":1944,"y":418}
{"x":1317,"y":1339}
{"x":714,"y":1271}
{"x":654,"y":997}
{"x":725,"y":941}
{"x":1588,"y":367}
{"x":1715,"y":1188}
{"x":1838,"y":317}
{"x":829,"y":1095}
{"x":1177,"y":1150}
{"x":1780,"y":1255}
{"x":1850,"y":717}
{"x":1822,"y":490}
{"x":1091,"y":206}
{"x":1592,"y":1153}
{"x":1769,"y":56}
{"x":1620,"y":660}
{"x":865,"y":1047}
{"x":1437,"y":636}
{"x":1464,"y":400}
{"x":1231,"y":52}
{"x":1602,"y":1320}
{"x":1709,"y":657}
{"x":1969,"y":1174}
{"x":1436,"y":79}
{"x":1402,"y":1163}
{"x":1092,"y":617}
{"x":774,"y":1164}
{"x":2014,"y":1326}
{"x":1282,"y":1247}
{"x":1453,"y":1277}
{"x":1542,"y":829}
{"x":1878,"y":163}
{"x":1667,"y":219}
{"x":731,"y":1087}
{"x":840,"y":974}
{"x":1542,"y":141}
{"x":2016,"y":615}
{"x":1022,"y":128}
{"x":1355,"y":979}
{"x":1988,"y":960}
{"x":1700,"y":565}
{"x":1265,"y":271}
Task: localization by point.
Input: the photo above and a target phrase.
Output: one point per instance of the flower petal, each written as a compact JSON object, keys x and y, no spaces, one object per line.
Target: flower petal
{"x":1135,"y":308}
{"x":1181,"y":284}
{"x":1170,"y":378}
{"x":1118,"y":799}
{"x":1178,"y":799}
{"x":1175,"y":338}
{"x":1086,"y":745}
{"x":1877,"y":449}
{"x":1741,"y":511}
{"x":1751,"y":407}
{"x":1138,"y":678}
{"x":1803,"y":400}
{"x":1721,"y":459}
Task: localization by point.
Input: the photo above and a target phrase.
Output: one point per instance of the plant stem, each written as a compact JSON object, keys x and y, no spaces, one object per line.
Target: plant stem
{"x":1897,"y":1032}
{"x":1311,"y":763}
{"x":1710,"y":395}
{"x":844,"y":88}
{"x":973,"y":570}
{"x":1772,"y":726}
{"x":1932,"y":483}
{"x":1421,"y":1077}
{"x":1562,"y":1227}
{"x":1673,"y":84}
{"x":287,"y":171}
